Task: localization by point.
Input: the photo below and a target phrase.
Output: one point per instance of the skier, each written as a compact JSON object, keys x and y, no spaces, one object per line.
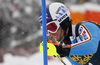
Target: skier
{"x":79,"y":43}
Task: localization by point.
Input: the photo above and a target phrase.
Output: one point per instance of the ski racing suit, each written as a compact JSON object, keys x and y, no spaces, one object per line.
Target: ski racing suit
{"x":85,"y":44}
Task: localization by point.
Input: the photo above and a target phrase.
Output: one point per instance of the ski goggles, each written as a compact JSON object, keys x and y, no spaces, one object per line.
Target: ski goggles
{"x":52,"y":27}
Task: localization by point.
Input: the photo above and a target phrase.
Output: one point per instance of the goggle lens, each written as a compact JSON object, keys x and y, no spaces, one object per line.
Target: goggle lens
{"x":52,"y":27}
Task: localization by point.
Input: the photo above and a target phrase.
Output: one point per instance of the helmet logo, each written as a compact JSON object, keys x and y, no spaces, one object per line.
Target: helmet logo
{"x":61,"y":13}
{"x":62,"y":18}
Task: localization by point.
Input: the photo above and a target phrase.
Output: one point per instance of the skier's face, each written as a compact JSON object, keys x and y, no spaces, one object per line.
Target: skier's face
{"x":59,"y":35}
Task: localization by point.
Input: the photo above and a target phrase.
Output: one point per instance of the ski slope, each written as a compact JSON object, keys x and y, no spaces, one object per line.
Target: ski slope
{"x":35,"y":59}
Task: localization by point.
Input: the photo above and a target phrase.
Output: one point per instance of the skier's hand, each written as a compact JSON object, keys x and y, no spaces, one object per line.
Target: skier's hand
{"x":63,"y":50}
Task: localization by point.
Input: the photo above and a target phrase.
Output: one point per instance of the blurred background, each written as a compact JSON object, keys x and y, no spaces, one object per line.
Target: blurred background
{"x":20,"y":33}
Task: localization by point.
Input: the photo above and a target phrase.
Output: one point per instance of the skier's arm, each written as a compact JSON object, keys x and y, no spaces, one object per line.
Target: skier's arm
{"x":87,"y":41}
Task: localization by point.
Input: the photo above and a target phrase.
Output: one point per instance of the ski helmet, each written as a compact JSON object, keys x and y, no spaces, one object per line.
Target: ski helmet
{"x":59,"y":13}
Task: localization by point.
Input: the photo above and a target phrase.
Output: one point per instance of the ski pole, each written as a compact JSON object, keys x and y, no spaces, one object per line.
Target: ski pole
{"x":61,"y":60}
{"x":51,"y":51}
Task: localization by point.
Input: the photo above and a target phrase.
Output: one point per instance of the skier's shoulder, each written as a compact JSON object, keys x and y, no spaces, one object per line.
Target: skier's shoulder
{"x":83,"y":26}
{"x":82,"y":30}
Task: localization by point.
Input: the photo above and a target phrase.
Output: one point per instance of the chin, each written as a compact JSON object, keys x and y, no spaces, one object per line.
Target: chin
{"x":56,"y":39}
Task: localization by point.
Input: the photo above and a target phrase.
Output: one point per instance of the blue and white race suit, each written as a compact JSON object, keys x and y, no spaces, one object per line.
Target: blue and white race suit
{"x":85,"y":47}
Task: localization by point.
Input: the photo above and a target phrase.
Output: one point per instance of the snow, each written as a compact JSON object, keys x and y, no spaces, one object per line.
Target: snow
{"x":37,"y":34}
{"x":35,"y":59}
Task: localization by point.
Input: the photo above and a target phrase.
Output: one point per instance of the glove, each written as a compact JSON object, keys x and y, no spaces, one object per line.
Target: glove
{"x":63,"y":50}
{"x":51,"y":49}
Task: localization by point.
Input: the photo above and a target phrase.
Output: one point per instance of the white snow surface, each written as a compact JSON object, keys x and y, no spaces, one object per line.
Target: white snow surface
{"x":35,"y":59}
